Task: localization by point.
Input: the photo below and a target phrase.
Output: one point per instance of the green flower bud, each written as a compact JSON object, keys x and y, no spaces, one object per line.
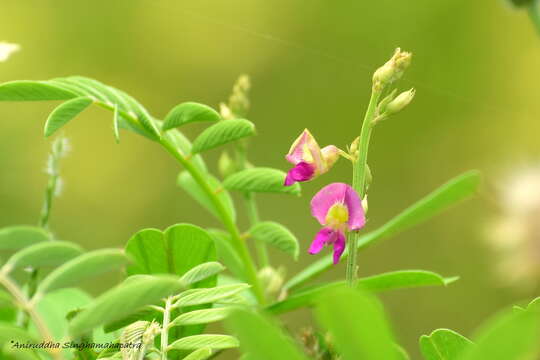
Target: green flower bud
{"x":400,"y":102}
{"x":392,"y":70}
{"x":226,"y":165}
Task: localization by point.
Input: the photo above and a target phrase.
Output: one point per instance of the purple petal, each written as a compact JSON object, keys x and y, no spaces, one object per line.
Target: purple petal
{"x":324,"y":236}
{"x":339,"y":247}
{"x":301,"y":172}
{"x":338,"y":193}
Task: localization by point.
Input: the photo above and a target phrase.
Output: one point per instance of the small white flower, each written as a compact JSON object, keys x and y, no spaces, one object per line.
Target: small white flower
{"x":6,"y":49}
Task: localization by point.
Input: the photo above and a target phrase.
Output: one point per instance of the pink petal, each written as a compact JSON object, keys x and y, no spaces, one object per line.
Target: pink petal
{"x":338,"y":193}
{"x":339,"y":247}
{"x":306,"y":149}
{"x":301,"y":172}
{"x":325,"y":235}
{"x":357,"y":216}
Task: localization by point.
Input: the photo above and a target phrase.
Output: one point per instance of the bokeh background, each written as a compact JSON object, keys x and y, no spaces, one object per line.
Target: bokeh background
{"x":475,"y":70}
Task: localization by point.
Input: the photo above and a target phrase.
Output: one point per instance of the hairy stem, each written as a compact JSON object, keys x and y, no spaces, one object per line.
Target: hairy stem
{"x":29,"y":308}
{"x":165,"y":328}
{"x":359,"y":178}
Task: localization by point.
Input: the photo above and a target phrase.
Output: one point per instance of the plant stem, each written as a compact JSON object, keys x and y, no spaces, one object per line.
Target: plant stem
{"x":238,"y":243}
{"x":165,"y":328}
{"x":359,"y":179}
{"x":534,"y":14}
{"x":27,"y":306}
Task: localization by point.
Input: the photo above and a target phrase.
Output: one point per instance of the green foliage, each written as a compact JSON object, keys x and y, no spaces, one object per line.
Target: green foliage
{"x":208,"y":295}
{"x":259,"y":179}
{"x":222,"y":133}
{"x":18,"y":237}
{"x":189,"y":112}
{"x":358,"y":325}
{"x":214,"y":342}
{"x":377,"y":283}
{"x":276,"y":235}
{"x":122,"y":301}
{"x":442,"y":198}
{"x":200,"y":354}
{"x":33,"y":91}
{"x":259,"y":336}
{"x":186,"y":182}
{"x":65,"y":112}
{"x":82,"y":267}
{"x":202,"y":272}
{"x":443,"y":344}
{"x":203,"y":316}
{"x":50,"y":253}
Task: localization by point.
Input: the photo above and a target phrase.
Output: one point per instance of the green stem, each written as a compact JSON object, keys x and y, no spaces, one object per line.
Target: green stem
{"x":29,"y":308}
{"x":165,"y":328}
{"x":237,"y":242}
{"x":534,"y":14}
{"x":359,"y":179}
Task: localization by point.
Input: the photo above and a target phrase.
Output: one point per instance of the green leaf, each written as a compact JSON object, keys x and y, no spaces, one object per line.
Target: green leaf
{"x":508,"y":336}
{"x":122,"y":301}
{"x":443,"y":344}
{"x":200,"y":354}
{"x":259,"y":336}
{"x":222,"y":133}
{"x":214,"y":342}
{"x":201,"y":272}
{"x":116,"y":124}
{"x":190,"y":186}
{"x":175,"y":251}
{"x":276,"y":235}
{"x":10,"y":332}
{"x":377,"y":283}
{"x":50,"y":253}
{"x":358,"y":324}
{"x":189,"y":112}
{"x":441,"y":199}
{"x":260,"y":179}
{"x":204,"y":316}
{"x":65,"y":112}
{"x":226,"y":253}
{"x":82,"y":267}
{"x":32,"y":91}
{"x":208,"y":295}
{"x":21,"y":236}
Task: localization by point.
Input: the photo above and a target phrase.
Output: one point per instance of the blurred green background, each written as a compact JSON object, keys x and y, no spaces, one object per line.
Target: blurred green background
{"x":476,"y":73}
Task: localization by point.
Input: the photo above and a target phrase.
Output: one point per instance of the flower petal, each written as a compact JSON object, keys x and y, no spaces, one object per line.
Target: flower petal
{"x":301,"y":172}
{"x":339,"y":246}
{"x":325,"y":198}
{"x":325,"y":235}
{"x":357,"y":216}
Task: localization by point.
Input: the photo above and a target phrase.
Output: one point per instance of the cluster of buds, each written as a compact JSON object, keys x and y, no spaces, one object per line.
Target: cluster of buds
{"x":238,"y":104}
{"x":392,"y":70}
{"x":273,"y":281}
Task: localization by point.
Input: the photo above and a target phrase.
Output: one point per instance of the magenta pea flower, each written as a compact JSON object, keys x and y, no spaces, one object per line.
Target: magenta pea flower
{"x":339,"y":209}
{"x":309,"y":159}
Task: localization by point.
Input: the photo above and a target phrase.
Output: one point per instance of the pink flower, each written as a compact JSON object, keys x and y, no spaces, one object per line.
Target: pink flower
{"x":309,"y":159}
{"x":339,"y":209}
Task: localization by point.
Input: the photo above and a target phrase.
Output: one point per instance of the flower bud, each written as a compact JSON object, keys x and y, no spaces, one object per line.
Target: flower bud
{"x":392,"y":70}
{"x":353,"y":149}
{"x":400,"y":102}
{"x":226,"y":165}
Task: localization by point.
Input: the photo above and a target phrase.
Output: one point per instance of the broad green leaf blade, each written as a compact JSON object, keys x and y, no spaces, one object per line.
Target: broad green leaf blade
{"x":204,"y":316}
{"x":377,"y":283}
{"x":122,"y":301}
{"x":200,"y":354}
{"x":258,"y":335}
{"x":32,"y":91}
{"x":443,"y":344}
{"x":50,"y":253}
{"x":358,"y":325}
{"x":441,"y":199}
{"x":186,"y":182}
{"x":276,"y":235}
{"x":82,"y":267}
{"x":208,"y":295}
{"x":260,"y":179}
{"x":65,"y":112}
{"x":21,"y":236}
{"x":189,"y":112}
{"x":222,"y":133}
{"x":226,"y":253}
{"x":148,"y":250}
{"x":214,"y":342}
{"x":508,"y":336}
{"x":201,"y":272}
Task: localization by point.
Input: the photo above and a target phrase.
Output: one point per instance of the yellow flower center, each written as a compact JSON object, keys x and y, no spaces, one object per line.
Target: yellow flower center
{"x":337,"y":216}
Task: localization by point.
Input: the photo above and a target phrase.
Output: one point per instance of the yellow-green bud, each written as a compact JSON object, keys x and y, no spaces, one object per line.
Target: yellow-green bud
{"x":226,"y":165}
{"x":392,"y":70}
{"x":400,"y":102}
